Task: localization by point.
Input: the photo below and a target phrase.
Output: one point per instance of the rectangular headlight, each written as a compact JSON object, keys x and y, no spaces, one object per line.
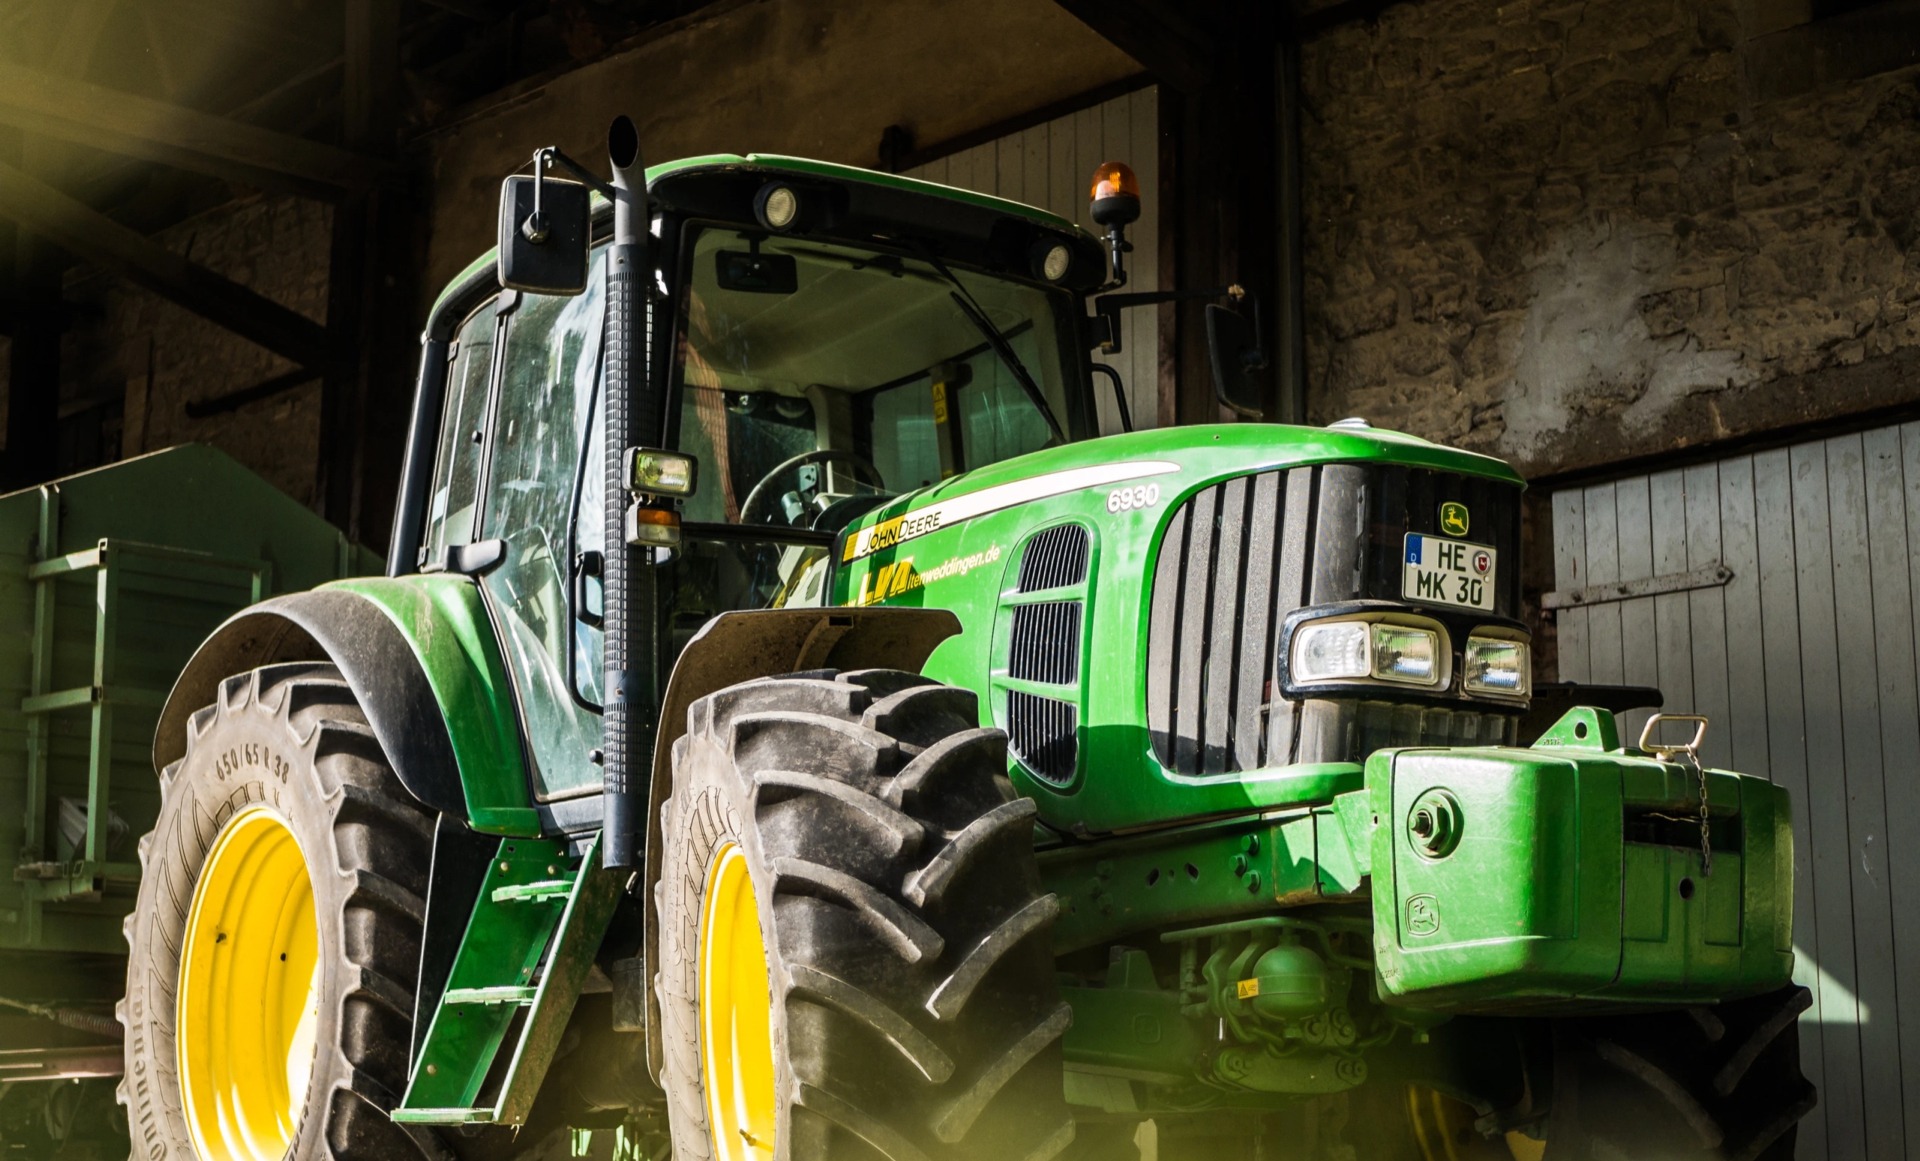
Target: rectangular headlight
{"x":1329,"y":651}
{"x":661,"y":473}
{"x":1356,"y":650}
{"x":1404,"y":653}
{"x":1498,"y":666}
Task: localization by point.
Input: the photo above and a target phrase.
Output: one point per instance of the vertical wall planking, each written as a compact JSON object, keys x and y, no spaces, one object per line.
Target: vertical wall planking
{"x":1570,"y":572}
{"x":1825,"y":804}
{"x":1639,"y":639}
{"x":1707,"y":612}
{"x":1603,"y":567}
{"x":1674,"y":663}
{"x":1880,"y":720}
{"x":1901,"y":708}
{"x":1744,"y":644}
{"x":1863,"y":797}
{"x":1786,"y":741}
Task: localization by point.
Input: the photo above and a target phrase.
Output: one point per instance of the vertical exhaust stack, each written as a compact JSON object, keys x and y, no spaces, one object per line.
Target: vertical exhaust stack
{"x":632,"y":417}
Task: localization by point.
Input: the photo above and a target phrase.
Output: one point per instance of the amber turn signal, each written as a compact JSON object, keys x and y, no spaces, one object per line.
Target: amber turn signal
{"x":653,"y":527}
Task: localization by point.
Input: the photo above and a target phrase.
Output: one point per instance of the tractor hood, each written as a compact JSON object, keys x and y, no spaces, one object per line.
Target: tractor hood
{"x":1183,"y":458}
{"x":1126,"y":605}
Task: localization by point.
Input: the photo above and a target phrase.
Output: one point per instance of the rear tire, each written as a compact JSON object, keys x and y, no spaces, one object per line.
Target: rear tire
{"x":1720,"y":1083}
{"x":286,"y":746}
{"x":914,"y":1010}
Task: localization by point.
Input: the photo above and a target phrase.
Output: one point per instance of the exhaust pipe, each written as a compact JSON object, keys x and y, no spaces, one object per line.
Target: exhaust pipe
{"x":632,"y":419}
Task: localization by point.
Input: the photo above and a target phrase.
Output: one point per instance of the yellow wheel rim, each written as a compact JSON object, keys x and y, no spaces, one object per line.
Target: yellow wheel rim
{"x":249,"y":992}
{"x":736,"y":1014}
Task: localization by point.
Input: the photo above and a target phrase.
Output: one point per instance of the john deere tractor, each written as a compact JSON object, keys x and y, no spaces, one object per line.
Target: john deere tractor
{"x":787,"y":731}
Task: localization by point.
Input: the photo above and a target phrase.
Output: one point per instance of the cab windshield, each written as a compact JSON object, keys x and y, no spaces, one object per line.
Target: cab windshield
{"x":816,"y":378}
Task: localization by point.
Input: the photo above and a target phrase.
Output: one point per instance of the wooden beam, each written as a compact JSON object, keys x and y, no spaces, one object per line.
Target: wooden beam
{"x":1159,"y":36}
{"x":96,"y":238}
{"x":150,"y":130}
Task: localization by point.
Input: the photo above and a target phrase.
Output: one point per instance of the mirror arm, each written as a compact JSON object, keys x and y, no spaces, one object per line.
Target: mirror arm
{"x":1107,"y":308}
{"x":545,"y":158}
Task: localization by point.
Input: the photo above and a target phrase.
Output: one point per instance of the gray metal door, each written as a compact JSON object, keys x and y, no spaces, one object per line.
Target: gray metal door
{"x":1778,"y":593}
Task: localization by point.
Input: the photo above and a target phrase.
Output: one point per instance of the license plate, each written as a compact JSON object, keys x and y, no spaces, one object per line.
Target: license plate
{"x":1447,"y":572}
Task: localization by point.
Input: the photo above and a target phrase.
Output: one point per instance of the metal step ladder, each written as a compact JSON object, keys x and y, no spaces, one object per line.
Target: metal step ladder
{"x":529,"y":945}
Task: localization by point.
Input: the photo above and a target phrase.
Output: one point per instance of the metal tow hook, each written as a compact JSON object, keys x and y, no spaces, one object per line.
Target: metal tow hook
{"x":1687,"y":754}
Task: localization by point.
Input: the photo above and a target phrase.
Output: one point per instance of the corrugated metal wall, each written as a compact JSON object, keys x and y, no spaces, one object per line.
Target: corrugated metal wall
{"x":1806,"y":662}
{"x":1051,"y":166}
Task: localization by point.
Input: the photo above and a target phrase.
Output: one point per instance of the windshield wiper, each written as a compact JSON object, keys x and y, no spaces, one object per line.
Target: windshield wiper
{"x":963,"y":298}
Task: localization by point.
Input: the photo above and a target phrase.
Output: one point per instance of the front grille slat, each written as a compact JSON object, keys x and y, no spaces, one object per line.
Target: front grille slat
{"x":1289,"y":593}
{"x":1223,"y":642}
{"x":1196,"y":593}
{"x":1163,"y":636}
{"x":1256,"y":634}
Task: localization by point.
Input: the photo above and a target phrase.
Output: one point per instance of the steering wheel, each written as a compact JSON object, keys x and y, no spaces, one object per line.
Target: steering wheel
{"x":863,"y":470}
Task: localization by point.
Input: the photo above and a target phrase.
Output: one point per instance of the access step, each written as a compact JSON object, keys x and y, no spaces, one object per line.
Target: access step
{"x":533,"y":892}
{"x":442,"y":1116}
{"x":514,"y":982}
{"x":509,"y":994}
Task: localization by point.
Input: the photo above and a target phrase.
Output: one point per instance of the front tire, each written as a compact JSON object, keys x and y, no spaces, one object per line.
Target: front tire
{"x":270,"y":985}
{"x":855,"y":961}
{"x":1720,"y":1083}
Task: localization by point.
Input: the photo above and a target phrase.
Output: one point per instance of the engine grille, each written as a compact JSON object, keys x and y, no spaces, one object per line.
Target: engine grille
{"x":1054,"y":558}
{"x":1044,"y":646}
{"x":1241,"y":555}
{"x":1046,"y":643}
{"x":1041,"y":734}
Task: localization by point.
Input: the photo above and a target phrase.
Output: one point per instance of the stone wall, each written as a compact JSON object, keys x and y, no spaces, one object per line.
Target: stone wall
{"x":1579,"y":233}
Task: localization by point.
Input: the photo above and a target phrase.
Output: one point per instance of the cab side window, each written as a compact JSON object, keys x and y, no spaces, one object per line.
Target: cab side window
{"x":456,"y":473}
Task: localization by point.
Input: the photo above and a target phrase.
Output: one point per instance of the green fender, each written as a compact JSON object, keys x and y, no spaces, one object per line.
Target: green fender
{"x":420,"y":655}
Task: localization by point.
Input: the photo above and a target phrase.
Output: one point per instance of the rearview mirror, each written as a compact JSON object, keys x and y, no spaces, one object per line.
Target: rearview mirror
{"x":757,"y":273}
{"x":1233,"y":345}
{"x":545,"y":225}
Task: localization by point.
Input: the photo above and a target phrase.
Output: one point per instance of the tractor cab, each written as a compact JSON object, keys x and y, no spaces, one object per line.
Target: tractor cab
{"x":828,"y":339}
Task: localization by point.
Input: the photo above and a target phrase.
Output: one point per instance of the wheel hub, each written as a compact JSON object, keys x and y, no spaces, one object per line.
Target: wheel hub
{"x":248,"y":992}
{"x":736,"y":1014}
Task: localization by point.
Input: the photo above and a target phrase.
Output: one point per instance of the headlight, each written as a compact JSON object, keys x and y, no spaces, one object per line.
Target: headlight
{"x":1330,"y":651}
{"x":1498,"y":666}
{"x":1348,"y":650}
{"x":661,"y":473}
{"x":1403,"y":653}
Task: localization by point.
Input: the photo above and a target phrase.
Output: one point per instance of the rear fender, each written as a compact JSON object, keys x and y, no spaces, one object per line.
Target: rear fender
{"x":420,"y":655}
{"x":737,"y":647}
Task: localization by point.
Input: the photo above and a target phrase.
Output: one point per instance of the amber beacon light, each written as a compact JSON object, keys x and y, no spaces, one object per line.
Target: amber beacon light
{"x":1116,"y":194}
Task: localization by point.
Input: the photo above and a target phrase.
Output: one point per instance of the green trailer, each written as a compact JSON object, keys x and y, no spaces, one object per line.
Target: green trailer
{"x":788,"y":731}
{"x":108,"y":582}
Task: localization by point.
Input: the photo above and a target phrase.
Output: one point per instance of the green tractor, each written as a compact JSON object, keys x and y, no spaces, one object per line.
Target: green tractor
{"x":787,"y":732}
